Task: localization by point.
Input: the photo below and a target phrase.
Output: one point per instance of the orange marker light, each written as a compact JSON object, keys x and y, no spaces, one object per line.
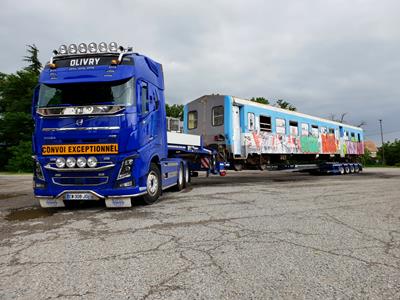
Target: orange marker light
{"x":114,"y":62}
{"x":52,"y":66}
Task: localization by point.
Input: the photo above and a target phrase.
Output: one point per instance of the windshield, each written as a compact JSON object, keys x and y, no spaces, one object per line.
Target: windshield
{"x":82,"y":94}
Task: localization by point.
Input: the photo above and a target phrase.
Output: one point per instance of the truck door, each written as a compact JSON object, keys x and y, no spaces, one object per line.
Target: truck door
{"x":236,"y":143}
{"x":145,"y":115}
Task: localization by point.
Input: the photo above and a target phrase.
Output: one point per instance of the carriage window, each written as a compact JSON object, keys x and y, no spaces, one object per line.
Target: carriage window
{"x":280,"y":126}
{"x":346,"y":135}
{"x":251,"y":121}
{"x":192,"y":119}
{"x":217,"y":115}
{"x":359,"y":137}
{"x":323,"y":130}
{"x":353,"y":137}
{"x":265,"y":123}
{"x":331,"y":131}
{"x":314,"y":130}
{"x":304,"y":129}
{"x":293,"y":128}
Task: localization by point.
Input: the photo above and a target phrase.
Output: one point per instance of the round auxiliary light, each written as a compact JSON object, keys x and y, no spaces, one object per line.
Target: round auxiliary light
{"x":63,"y":49}
{"x":92,"y":47}
{"x":82,"y":48}
{"x":92,"y":162}
{"x":60,"y":162}
{"x":70,"y":162}
{"x":81,"y":162}
{"x":72,"y":49}
{"x":103,"y":47}
{"x":113,"y":47}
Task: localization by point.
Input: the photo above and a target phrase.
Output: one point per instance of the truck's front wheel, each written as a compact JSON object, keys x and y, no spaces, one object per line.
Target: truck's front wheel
{"x":153,"y":185}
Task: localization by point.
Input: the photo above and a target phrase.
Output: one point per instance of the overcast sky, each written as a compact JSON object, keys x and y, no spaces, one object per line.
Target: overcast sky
{"x":323,"y":56}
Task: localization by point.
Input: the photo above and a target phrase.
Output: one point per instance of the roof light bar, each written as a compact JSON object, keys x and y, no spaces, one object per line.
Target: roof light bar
{"x":91,"y":48}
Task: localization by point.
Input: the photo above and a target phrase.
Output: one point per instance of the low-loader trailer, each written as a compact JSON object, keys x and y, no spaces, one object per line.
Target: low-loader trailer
{"x":101,"y":130}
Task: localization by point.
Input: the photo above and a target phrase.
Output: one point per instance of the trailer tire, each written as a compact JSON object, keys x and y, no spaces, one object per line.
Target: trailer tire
{"x":346,"y":169}
{"x":188,"y":178}
{"x":262,"y":167}
{"x":238,"y":167}
{"x":153,"y":185}
{"x":352,"y":170}
{"x":180,"y":183}
{"x":341,"y":170}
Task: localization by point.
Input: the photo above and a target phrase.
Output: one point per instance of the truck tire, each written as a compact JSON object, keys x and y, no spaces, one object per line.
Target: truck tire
{"x":180,"y":183}
{"x":153,"y":185}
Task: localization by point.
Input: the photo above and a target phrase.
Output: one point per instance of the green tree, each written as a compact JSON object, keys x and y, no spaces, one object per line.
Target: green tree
{"x":285,"y":105}
{"x":261,"y":100}
{"x":32,"y":58}
{"x":21,"y":160}
{"x":392,"y":153}
{"x":174,"y":111}
{"x":366,"y":158}
{"x":16,"y":125}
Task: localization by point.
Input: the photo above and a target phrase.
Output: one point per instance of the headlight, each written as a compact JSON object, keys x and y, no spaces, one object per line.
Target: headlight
{"x":92,"y":162}
{"x":92,"y":47}
{"x":71,"y":162}
{"x":72,"y":49}
{"x":38,"y":171}
{"x":63,"y":49}
{"x":113,"y":47}
{"x":103,"y":47}
{"x":126,"y":168}
{"x":81,"y":162}
{"x":82,"y":48}
{"x":60,"y":162}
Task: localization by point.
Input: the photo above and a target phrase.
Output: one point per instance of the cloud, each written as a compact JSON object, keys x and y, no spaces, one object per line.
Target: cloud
{"x":324,"y":56}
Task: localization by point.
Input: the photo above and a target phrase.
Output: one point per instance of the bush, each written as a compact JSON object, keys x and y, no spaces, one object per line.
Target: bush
{"x":21,"y":158}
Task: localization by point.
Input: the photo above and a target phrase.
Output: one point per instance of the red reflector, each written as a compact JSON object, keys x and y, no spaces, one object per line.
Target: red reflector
{"x":222,"y":173}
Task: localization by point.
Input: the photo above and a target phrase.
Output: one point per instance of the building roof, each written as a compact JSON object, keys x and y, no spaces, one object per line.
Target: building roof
{"x":370,"y":146}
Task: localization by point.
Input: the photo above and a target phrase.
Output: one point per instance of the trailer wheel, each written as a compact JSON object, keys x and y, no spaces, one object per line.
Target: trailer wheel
{"x":153,"y":185}
{"x":346,"y":169}
{"x":352,"y":169}
{"x":238,"y":166}
{"x":356,"y":168}
{"x":187,"y":175}
{"x":262,"y":167}
{"x":341,"y":170}
{"x":180,"y":184}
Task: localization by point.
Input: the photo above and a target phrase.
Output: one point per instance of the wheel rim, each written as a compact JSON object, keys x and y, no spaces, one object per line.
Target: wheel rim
{"x":152,"y":183}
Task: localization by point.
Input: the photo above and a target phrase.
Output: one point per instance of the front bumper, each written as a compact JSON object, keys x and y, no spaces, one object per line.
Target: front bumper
{"x":120,"y":200}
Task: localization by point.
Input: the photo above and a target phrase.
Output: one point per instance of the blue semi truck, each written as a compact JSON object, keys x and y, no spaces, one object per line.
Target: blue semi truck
{"x":101,"y":130}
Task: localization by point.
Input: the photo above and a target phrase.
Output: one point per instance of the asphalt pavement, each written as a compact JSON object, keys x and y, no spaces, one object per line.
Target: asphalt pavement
{"x":249,"y":235}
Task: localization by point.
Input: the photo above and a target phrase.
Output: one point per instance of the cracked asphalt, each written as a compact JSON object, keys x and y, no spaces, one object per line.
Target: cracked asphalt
{"x":249,"y":235}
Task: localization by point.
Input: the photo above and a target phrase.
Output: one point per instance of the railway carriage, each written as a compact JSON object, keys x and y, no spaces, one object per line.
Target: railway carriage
{"x":250,"y":133}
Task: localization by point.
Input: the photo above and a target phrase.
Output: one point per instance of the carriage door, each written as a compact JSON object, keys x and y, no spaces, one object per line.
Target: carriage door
{"x":236,"y":143}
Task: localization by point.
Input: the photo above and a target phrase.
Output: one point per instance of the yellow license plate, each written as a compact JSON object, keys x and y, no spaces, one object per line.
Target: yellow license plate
{"x":80,"y":149}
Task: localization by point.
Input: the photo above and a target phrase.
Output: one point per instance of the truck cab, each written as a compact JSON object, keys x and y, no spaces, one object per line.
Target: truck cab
{"x":100,"y":128}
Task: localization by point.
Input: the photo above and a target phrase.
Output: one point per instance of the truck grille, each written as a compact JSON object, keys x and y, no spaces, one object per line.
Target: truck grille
{"x":78,"y":181}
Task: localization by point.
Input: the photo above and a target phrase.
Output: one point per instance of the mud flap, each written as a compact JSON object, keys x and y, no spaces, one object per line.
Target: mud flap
{"x":47,"y":203}
{"x":118,"y":202}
